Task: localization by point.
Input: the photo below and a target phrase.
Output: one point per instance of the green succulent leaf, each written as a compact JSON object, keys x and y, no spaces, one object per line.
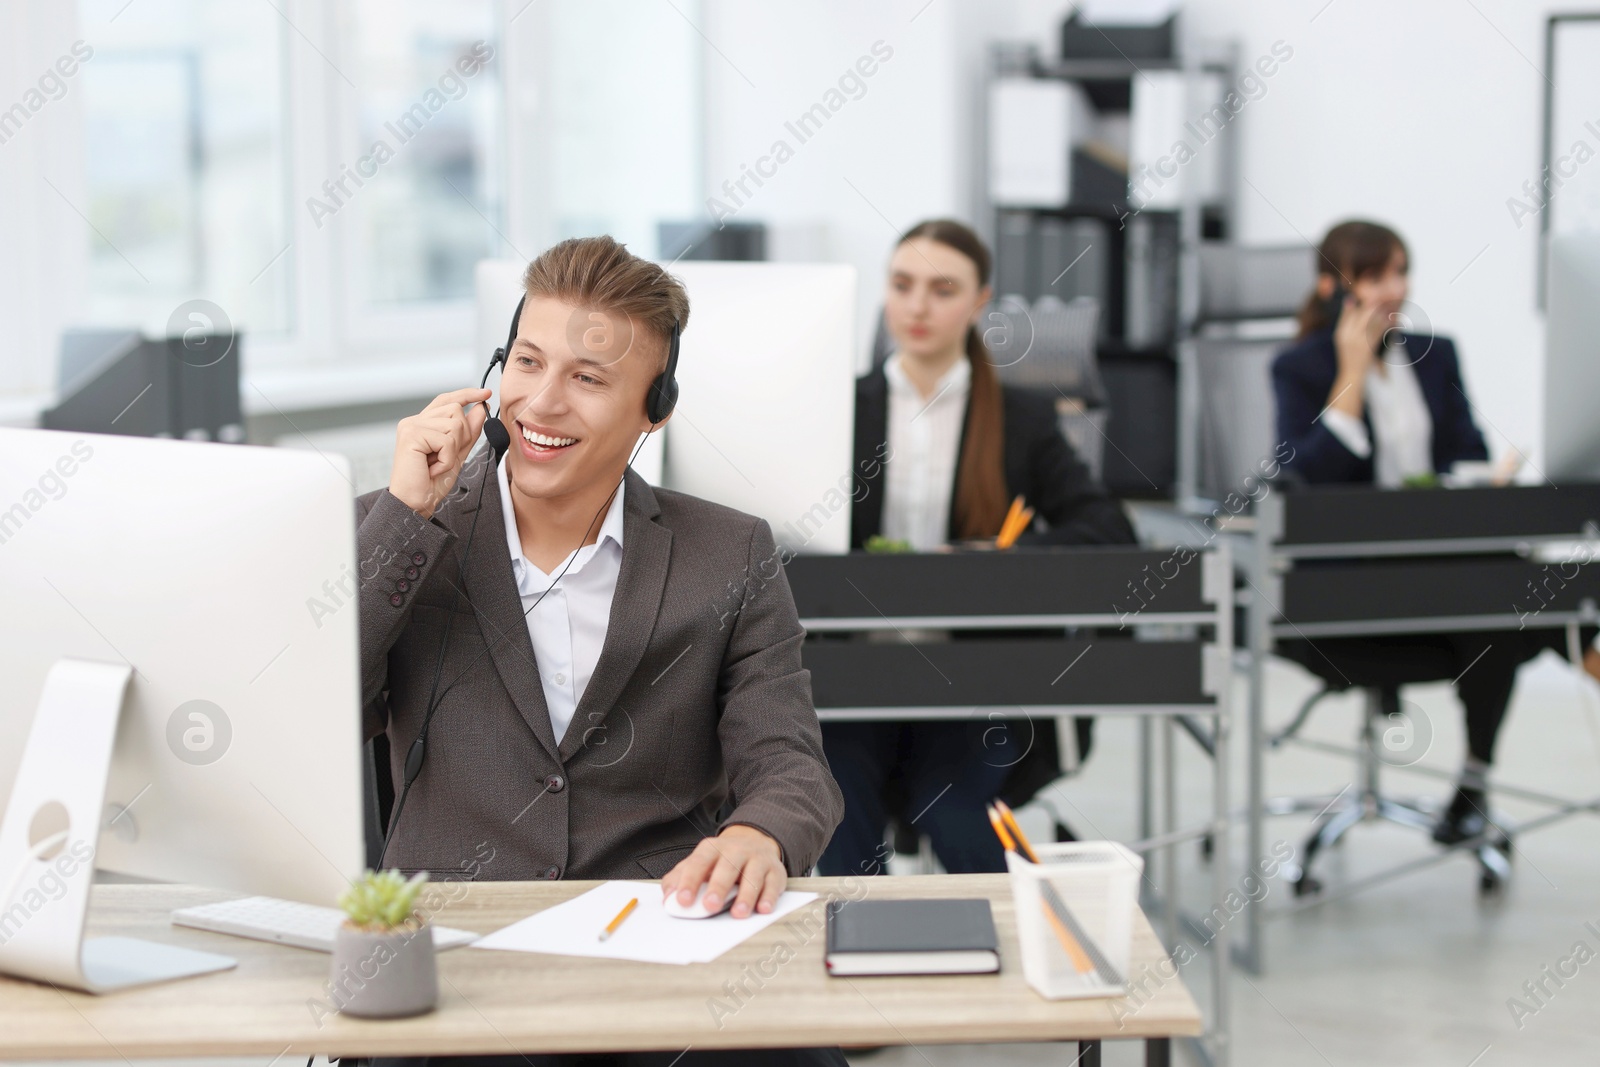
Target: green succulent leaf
{"x":381,"y":899}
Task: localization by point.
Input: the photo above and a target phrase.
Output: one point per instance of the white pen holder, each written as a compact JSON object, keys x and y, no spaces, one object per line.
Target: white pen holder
{"x":1097,"y":882}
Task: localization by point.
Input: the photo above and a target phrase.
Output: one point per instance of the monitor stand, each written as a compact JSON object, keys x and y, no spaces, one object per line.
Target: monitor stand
{"x":48,"y":840}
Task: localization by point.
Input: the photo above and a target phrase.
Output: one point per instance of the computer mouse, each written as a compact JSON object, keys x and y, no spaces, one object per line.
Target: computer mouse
{"x":698,"y":909}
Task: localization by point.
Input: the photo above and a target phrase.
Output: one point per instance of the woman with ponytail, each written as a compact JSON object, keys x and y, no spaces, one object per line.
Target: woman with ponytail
{"x":941,"y":450}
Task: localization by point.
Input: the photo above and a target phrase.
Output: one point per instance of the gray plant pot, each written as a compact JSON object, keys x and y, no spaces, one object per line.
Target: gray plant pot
{"x":384,"y":975}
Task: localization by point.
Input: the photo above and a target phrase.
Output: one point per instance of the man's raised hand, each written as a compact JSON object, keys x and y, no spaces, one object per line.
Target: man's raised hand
{"x":431,"y":446}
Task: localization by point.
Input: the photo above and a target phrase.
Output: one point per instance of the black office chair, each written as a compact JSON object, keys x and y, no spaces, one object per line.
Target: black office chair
{"x":1379,"y":672}
{"x":377,"y":796}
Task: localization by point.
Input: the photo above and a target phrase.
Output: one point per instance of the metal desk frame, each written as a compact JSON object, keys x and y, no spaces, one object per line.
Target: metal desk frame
{"x":1265,"y":625}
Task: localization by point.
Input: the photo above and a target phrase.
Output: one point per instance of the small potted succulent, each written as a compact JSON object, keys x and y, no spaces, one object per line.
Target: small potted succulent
{"x":383,"y":964}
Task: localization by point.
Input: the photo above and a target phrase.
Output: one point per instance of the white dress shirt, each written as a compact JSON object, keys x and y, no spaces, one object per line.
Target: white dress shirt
{"x":568,"y":628}
{"x":924,"y":443}
{"x":1400,"y":423}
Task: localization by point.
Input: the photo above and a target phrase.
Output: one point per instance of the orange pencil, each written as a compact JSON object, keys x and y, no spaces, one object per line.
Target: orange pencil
{"x":1014,"y":528}
{"x":1010,"y":819}
{"x":1012,"y":514}
{"x":1013,"y":511}
{"x":1000,"y":829}
{"x":627,"y":909}
{"x":1080,"y":960}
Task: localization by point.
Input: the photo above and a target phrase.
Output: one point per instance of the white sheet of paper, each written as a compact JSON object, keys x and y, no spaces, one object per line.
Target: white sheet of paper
{"x":650,"y":935}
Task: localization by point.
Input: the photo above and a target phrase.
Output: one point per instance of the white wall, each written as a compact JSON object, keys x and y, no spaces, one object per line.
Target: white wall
{"x":1425,"y":114}
{"x":900,"y":153}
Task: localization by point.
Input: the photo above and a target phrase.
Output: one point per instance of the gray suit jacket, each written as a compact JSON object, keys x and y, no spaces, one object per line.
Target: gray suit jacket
{"x":698,"y":697}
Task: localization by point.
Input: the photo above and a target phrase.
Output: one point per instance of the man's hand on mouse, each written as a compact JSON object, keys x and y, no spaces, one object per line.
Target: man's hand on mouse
{"x":739,"y":854}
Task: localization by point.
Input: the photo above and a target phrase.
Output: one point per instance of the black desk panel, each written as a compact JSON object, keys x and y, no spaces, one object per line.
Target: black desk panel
{"x":1000,"y":672}
{"x":1442,"y":587}
{"x":1321,"y":515}
{"x":1075,"y":581}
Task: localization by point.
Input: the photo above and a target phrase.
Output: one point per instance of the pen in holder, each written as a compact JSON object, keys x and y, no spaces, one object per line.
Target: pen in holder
{"x":1075,"y":917}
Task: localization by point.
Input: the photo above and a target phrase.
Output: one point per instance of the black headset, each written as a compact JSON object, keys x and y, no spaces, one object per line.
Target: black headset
{"x":659,"y":402}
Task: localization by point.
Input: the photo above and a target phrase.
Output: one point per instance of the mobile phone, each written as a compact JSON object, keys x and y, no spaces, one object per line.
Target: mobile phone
{"x":1334,"y":305}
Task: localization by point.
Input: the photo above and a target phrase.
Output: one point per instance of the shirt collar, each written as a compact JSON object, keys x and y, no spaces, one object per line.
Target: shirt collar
{"x":953,"y":382}
{"x":610,"y":529}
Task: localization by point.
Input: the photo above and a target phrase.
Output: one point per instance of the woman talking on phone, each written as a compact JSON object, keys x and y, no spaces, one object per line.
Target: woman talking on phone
{"x":942,"y":449}
{"x":1363,"y":402}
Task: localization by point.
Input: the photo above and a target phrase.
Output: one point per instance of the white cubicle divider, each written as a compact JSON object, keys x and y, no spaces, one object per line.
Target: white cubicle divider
{"x":767,"y":413}
{"x":765,"y":418}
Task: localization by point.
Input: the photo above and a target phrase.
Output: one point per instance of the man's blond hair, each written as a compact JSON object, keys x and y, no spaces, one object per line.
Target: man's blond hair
{"x":600,"y":273}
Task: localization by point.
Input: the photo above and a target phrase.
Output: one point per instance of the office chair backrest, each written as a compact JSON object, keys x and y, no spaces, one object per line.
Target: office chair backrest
{"x":1263,"y":282}
{"x":1240,"y":288}
{"x":1237,"y":417}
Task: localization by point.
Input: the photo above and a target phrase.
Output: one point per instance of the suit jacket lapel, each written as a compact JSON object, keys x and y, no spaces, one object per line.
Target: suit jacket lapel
{"x":646,"y":552}
{"x":492,"y":591}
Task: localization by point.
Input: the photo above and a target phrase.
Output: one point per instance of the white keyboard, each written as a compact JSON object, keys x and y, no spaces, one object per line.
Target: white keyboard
{"x":287,"y":922}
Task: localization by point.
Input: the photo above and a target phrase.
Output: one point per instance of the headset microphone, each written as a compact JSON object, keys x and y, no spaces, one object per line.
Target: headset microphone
{"x":659,"y":402}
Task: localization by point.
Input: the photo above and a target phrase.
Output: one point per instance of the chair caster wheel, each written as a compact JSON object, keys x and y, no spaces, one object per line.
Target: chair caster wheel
{"x":1306,"y":886}
{"x":1494,"y":868}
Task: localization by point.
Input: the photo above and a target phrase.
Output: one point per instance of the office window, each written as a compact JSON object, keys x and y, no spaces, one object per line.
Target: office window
{"x":185,"y":162}
{"x":429,"y":136}
{"x":621,"y":115}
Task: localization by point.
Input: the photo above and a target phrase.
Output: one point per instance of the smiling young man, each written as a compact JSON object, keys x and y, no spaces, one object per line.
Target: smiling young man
{"x":600,"y":713}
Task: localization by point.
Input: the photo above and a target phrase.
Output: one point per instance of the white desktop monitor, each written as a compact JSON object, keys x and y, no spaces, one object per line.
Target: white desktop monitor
{"x":221,"y":580}
{"x":1572,"y":359}
{"x":766,"y":410}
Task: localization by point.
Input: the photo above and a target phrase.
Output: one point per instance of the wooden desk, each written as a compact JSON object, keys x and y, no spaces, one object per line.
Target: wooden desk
{"x":502,"y":1002}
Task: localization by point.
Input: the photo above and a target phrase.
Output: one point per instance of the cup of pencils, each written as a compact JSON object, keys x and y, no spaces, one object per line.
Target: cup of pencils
{"x":1075,"y":904}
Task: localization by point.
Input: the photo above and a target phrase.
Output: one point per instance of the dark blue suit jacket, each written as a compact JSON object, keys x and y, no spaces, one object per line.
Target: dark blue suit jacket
{"x":1302,"y":376}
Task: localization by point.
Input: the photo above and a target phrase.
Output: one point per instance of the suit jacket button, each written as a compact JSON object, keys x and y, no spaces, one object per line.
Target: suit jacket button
{"x":396,"y":599}
{"x":419,"y":558}
{"x":401,"y":584}
{"x":412,"y":573}
{"x":555,"y":783}
{"x":552,"y":872}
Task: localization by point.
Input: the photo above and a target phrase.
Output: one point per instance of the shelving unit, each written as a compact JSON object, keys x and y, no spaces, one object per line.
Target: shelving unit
{"x":1149,"y":376}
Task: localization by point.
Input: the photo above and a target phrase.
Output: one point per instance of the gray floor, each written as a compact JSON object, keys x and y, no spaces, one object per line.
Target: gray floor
{"x":1416,"y":971}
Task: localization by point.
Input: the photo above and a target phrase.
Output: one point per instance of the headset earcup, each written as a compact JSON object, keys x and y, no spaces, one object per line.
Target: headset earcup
{"x":663,"y":397}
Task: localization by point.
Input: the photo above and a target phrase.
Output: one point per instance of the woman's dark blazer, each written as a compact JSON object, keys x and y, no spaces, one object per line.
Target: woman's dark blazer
{"x":1303,"y":375}
{"x":1039,"y":465}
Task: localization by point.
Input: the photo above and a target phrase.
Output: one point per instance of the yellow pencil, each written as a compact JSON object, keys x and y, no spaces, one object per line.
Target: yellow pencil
{"x":627,"y":909}
{"x":1000,"y":829}
{"x":1010,"y":819}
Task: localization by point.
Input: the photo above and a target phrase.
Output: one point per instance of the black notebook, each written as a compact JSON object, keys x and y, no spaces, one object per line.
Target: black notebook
{"x":911,"y":937}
